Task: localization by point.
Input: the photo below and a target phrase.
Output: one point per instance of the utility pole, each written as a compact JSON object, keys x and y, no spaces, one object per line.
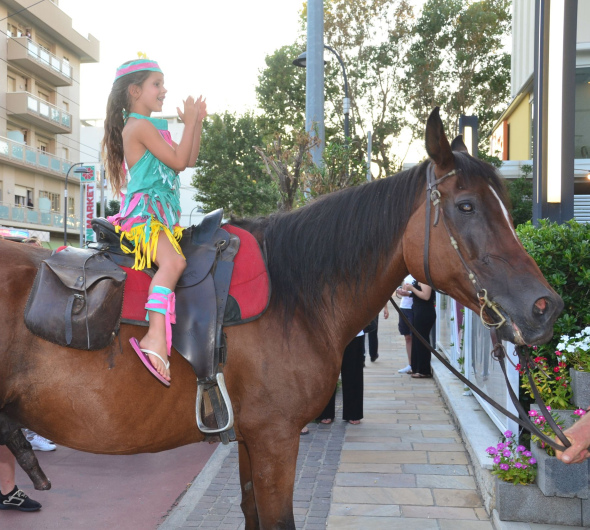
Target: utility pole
{"x":314,"y":77}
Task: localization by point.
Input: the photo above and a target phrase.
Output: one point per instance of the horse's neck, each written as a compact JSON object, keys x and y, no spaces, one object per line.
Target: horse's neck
{"x":354,"y":311}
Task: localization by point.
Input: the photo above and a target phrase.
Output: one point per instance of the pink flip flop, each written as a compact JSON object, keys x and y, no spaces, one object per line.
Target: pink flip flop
{"x":145,"y":360}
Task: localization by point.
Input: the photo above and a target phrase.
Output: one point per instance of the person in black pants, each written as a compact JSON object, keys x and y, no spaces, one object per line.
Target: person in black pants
{"x":424,"y":318}
{"x":352,"y":384}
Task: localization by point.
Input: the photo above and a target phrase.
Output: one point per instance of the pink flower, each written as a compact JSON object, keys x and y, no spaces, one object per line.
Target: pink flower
{"x":548,"y":408}
{"x":492,"y":451}
{"x":504,"y":467}
{"x":506,"y":452}
{"x":556,"y":369}
{"x":497,"y":459}
{"x":527,"y":453}
{"x":501,"y":446}
{"x":579,"y":412}
{"x":558,"y":378}
{"x":521,"y":448}
{"x":508,"y":434}
{"x":533,"y":413}
{"x":532,"y":461}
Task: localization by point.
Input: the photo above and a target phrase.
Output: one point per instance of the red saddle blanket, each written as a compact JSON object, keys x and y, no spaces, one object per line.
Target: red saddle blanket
{"x":250,"y":284}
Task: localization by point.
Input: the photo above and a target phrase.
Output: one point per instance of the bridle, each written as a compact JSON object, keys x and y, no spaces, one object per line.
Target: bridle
{"x":433,"y":199}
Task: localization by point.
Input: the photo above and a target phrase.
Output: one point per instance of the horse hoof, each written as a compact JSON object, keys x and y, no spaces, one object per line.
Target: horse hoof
{"x":43,"y":485}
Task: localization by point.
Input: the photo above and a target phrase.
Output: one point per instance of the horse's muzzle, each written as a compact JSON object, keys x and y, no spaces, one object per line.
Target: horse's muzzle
{"x":535,"y":326}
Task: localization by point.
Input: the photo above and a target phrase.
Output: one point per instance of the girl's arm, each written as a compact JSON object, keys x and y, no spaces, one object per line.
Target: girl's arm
{"x":424,"y":293}
{"x":140,"y":135}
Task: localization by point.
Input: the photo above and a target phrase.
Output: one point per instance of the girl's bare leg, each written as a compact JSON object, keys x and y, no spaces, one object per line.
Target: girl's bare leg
{"x":171,"y":265}
{"x":7,"y":467}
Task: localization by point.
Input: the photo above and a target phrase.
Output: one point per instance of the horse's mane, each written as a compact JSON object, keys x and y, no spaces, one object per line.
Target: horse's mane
{"x":343,"y":237}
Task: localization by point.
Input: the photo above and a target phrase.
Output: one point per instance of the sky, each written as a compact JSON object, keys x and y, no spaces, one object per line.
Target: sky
{"x":213,"y":48}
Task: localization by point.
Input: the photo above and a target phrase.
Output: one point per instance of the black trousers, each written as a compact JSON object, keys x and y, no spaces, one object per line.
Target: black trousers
{"x":352,"y":384}
{"x":373,"y":340}
{"x":424,"y":318}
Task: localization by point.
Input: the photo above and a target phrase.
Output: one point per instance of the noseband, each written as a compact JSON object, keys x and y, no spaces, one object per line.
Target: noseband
{"x":433,"y":199}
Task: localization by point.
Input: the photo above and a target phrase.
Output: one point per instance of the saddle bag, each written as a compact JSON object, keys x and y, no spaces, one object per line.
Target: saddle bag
{"x":76,"y":299}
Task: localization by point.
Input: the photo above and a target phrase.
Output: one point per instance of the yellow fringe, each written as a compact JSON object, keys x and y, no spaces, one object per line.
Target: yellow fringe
{"x":145,"y":253}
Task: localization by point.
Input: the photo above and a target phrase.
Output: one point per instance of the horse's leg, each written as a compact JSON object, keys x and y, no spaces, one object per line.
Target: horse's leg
{"x":12,"y":437}
{"x":248,"y":503}
{"x":273,"y":459}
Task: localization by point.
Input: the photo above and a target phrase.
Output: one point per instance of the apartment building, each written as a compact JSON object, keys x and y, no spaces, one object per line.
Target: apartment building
{"x":40,"y":60}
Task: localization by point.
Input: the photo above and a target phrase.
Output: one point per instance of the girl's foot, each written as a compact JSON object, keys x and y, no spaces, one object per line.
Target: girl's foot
{"x":156,"y":346}
{"x":326,"y":421}
{"x":354,"y":422}
{"x":304,"y":431}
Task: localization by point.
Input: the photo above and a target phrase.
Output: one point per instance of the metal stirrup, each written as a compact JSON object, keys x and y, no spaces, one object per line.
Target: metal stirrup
{"x":226,"y":401}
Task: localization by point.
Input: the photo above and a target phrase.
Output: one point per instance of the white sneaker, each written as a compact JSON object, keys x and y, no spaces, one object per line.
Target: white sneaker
{"x":42,"y":444}
{"x":405,"y":370}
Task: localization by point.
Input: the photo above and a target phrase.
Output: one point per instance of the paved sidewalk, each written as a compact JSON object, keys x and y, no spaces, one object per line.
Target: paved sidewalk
{"x":404,"y":466}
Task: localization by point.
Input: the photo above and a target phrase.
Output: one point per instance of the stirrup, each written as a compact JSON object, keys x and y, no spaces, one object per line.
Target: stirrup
{"x":220,"y":380}
{"x":163,"y":301}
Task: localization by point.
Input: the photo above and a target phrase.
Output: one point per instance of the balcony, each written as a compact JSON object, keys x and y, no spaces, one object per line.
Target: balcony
{"x":38,"y":112}
{"x":22,"y":155}
{"x":21,"y":217}
{"x":27,"y":54}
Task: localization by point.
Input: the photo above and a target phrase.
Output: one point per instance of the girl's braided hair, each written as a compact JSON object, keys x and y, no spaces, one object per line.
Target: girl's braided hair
{"x":119,"y":102}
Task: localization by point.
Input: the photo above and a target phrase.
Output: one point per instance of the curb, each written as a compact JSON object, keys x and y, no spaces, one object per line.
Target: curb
{"x":178,"y":514}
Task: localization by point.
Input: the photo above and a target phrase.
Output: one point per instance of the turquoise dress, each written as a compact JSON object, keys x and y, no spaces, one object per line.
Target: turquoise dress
{"x":151,"y":204}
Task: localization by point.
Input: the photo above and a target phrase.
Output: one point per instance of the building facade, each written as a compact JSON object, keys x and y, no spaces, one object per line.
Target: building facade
{"x":512,"y":138}
{"x":40,"y":61}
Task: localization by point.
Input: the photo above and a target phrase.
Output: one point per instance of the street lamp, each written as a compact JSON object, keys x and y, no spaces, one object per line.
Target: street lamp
{"x":78,"y":170}
{"x":301,"y":61}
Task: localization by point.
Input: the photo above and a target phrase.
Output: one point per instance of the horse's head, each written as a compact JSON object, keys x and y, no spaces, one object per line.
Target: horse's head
{"x":472,"y":251}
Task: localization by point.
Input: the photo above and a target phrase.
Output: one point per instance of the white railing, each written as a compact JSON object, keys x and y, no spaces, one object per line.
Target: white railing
{"x":48,"y":111}
{"x":47,"y":58}
{"x":32,"y":216}
{"x":26,"y":155}
{"x":464,"y":340}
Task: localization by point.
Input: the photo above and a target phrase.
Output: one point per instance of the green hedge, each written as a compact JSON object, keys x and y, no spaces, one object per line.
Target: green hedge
{"x":562,"y":252}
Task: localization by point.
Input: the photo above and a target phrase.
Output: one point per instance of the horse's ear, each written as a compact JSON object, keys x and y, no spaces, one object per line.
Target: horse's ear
{"x":458,"y":145}
{"x":437,"y":145}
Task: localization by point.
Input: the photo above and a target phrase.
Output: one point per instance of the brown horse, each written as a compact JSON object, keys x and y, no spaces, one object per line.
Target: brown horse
{"x":333,"y":265}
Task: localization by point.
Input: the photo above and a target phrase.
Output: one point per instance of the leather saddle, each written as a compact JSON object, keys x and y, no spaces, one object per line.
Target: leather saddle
{"x":201,"y":299}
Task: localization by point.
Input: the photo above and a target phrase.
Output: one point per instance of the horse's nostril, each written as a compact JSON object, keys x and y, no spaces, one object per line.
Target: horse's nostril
{"x":540,"y":306}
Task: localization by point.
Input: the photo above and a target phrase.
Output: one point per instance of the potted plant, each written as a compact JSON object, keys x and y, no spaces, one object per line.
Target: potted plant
{"x":576,"y":350}
{"x":517,"y":498}
{"x":554,"y":478}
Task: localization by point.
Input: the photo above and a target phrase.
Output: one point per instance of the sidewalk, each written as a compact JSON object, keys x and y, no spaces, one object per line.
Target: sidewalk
{"x":405,"y":466}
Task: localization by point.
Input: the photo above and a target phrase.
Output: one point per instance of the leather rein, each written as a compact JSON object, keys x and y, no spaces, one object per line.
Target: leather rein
{"x":433,"y":200}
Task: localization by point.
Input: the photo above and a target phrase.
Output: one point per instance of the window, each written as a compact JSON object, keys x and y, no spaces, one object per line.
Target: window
{"x":43,"y":95}
{"x":11,"y":84}
{"x":65,"y":153}
{"x":582,"y":113}
{"x":43,"y":145}
{"x":66,"y":106}
{"x":20,"y":196}
{"x":55,"y":199}
{"x":71,"y":209}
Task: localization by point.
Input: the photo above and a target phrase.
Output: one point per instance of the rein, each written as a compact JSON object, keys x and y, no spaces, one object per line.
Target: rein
{"x":433,"y":199}
{"x":499,"y":353}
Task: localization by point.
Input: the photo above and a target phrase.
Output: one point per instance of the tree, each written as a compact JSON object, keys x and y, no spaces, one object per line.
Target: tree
{"x":457,"y":61}
{"x":281,"y":93}
{"x":373,"y":38}
{"x":229,"y":173}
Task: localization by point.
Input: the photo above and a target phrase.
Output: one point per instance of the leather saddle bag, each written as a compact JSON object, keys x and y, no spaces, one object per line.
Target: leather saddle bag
{"x":76,"y":299}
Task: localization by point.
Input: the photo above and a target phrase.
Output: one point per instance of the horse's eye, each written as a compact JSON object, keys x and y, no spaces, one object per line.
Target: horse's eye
{"x":465,"y":207}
